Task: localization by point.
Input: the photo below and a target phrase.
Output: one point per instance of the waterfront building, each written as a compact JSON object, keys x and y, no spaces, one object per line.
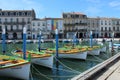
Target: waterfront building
{"x":47,"y":26}
{"x":37,"y":26}
{"x":93,"y":25}
{"x":75,"y":23}
{"x":116,"y":27}
{"x":52,"y":24}
{"x":106,"y":27}
{"x":14,"y":21}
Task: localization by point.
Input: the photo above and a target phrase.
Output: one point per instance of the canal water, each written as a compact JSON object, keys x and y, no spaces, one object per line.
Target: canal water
{"x":65,"y":69}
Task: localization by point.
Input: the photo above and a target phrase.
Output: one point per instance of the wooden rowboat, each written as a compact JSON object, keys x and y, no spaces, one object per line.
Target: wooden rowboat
{"x":40,"y":58}
{"x":14,"y":67}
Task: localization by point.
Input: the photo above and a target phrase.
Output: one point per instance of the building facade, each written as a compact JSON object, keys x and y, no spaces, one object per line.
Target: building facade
{"x":75,"y":23}
{"x":14,"y":20}
{"x":93,"y":25}
{"x":37,"y":26}
{"x":47,"y":26}
{"x":70,"y":24}
{"x":52,"y":24}
{"x":116,"y":27}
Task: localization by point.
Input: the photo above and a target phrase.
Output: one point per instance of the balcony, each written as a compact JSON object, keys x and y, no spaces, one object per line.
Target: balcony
{"x":14,"y":23}
{"x":69,"y":24}
{"x":75,"y":24}
{"x":80,"y":24}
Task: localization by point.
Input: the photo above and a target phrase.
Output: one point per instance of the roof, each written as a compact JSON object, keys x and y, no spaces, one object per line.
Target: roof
{"x":79,"y":13}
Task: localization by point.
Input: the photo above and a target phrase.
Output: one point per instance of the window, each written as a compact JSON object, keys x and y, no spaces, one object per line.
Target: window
{"x":33,"y":29}
{"x":11,"y":13}
{"x":43,"y":24}
{"x":0,"y":14}
{"x":64,"y":16}
{"x":117,"y":23}
{"x":114,"y":28}
{"x":22,"y":19}
{"x":109,"y":28}
{"x":20,"y":13}
{"x":17,"y":13}
{"x":17,"y":19}
{"x":101,"y":28}
{"x":11,"y":20}
{"x":28,"y":20}
{"x":14,"y":13}
{"x":11,"y":27}
{"x":0,"y":28}
{"x":28,"y":27}
{"x":33,"y":24}
{"x":117,"y":28}
{"x":105,"y":22}
{"x":5,"y":19}
{"x":3,"y":14}
{"x":38,"y":24}
{"x":23,"y":13}
{"x":28,"y":13}
{"x":6,"y":14}
{"x":101,"y":22}
{"x":105,"y":28}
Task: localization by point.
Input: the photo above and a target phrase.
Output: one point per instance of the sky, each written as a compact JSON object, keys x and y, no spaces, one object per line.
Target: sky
{"x":55,"y":8}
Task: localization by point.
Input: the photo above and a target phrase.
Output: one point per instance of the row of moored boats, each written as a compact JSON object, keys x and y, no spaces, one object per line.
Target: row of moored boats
{"x":15,"y":66}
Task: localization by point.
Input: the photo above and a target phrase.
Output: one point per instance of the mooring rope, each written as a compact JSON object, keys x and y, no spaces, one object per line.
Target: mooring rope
{"x":105,"y":56}
{"x":66,"y":66}
{"x":65,"y":70}
{"x":92,"y":60}
{"x":57,"y":76}
{"x":31,"y":77}
{"x":41,"y":73}
{"x":98,"y":58}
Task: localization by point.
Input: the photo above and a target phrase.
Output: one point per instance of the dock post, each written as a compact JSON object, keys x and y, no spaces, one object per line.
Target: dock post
{"x":3,"y":41}
{"x":39,"y":41}
{"x":24,"y":43}
{"x":57,"y":56}
{"x":91,"y":38}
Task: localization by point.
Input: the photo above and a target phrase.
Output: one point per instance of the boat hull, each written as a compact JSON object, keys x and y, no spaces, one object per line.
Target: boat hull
{"x":19,"y":71}
{"x":44,"y":61}
{"x":80,"y":55}
{"x":94,"y":52}
{"x":103,"y":49}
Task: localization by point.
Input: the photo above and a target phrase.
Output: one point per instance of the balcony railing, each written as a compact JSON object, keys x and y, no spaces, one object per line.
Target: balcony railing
{"x":14,"y":23}
{"x":77,"y":24}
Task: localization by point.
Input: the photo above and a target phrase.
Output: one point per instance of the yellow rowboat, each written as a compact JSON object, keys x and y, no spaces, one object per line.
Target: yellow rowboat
{"x":14,"y":67}
{"x":70,"y":53}
{"x":40,"y":58}
{"x":95,"y":50}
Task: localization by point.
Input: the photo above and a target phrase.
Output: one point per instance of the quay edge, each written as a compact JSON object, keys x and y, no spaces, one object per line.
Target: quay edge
{"x":92,"y":72}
